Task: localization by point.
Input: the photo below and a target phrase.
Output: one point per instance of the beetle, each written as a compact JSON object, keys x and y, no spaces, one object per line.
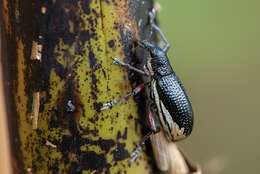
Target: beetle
{"x":172,"y":103}
{"x":168,"y":102}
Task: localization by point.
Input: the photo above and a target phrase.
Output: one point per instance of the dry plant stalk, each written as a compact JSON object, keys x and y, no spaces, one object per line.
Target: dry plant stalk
{"x":5,"y":165}
{"x":171,"y":158}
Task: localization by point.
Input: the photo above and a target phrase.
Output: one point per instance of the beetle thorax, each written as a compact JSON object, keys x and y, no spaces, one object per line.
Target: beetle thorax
{"x":161,"y":66}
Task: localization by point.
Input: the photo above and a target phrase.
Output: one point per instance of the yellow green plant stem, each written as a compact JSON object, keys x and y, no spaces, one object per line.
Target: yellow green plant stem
{"x":56,"y":125}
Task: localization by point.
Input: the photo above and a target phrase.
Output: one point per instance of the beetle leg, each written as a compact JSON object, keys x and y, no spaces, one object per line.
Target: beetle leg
{"x":126,"y":65}
{"x":137,"y":151}
{"x":112,"y":103}
{"x":156,"y":28}
{"x":154,"y":128}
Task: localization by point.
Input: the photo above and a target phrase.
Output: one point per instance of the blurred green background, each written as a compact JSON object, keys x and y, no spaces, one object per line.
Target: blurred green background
{"x":215,"y":50}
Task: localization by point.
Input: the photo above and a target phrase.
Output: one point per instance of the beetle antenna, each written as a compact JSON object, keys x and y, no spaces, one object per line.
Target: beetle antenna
{"x":156,"y":28}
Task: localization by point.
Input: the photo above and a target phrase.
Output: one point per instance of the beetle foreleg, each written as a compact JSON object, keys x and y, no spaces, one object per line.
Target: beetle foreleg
{"x":126,"y":65}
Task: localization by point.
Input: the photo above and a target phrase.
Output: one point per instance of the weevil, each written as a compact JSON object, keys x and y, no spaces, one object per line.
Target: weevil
{"x":168,"y":102}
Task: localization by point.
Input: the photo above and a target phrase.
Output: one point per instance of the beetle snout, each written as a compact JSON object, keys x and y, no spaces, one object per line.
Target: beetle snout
{"x":145,"y":44}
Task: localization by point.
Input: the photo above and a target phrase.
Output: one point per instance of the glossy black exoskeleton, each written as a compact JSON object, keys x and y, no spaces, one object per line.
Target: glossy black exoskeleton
{"x":174,"y":108}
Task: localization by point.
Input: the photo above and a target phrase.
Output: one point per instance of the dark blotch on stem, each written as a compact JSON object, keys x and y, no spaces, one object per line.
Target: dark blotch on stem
{"x":120,"y":153}
{"x":93,"y":161}
{"x":92,"y":59}
{"x":111,"y":43}
{"x":104,"y":144}
{"x":86,"y":6}
{"x":85,"y":36}
{"x":97,"y":106}
{"x":123,"y":136}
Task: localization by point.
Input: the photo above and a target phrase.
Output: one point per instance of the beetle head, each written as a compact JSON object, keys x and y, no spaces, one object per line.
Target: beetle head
{"x":155,"y":51}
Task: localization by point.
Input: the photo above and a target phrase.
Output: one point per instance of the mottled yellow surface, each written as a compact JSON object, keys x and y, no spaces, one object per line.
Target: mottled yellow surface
{"x":88,"y":78}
